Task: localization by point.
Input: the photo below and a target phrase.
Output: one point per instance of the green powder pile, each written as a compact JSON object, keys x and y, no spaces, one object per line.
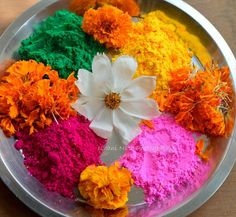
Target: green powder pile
{"x":60,"y":42}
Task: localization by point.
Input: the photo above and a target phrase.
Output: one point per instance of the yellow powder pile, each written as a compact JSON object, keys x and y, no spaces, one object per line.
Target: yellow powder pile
{"x":157,"y":44}
{"x":157,"y":49}
{"x":192,"y":41}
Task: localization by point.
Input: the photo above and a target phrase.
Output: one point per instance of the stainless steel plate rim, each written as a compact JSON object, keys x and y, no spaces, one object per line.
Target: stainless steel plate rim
{"x":199,"y":197}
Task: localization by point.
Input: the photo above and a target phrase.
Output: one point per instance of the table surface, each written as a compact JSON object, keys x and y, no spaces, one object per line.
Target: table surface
{"x":222,"y":14}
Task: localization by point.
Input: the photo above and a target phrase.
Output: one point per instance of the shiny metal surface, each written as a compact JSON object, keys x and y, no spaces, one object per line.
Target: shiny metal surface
{"x":32,"y":193}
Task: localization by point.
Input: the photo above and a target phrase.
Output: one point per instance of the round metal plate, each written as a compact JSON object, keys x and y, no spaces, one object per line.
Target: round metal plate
{"x":33,"y":194}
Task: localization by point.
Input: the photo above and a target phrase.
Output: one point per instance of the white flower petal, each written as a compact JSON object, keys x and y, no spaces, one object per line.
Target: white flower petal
{"x":114,"y":148}
{"x":102,"y":69}
{"x":115,"y":140}
{"x":144,"y":109}
{"x":139,"y":88}
{"x":123,"y":70}
{"x":88,"y":106}
{"x":102,"y":123}
{"x":88,"y":86}
{"x":127,"y":126}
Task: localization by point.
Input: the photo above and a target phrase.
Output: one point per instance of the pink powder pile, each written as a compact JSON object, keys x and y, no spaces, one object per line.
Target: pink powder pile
{"x":163,"y":162}
{"x":57,"y":155}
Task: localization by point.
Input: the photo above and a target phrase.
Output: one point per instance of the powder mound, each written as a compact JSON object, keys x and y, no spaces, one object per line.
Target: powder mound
{"x":60,"y":42}
{"x":57,"y":155}
{"x":157,"y":48}
{"x":163,"y":161}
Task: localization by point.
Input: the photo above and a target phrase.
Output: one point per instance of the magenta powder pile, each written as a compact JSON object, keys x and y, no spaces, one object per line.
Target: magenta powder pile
{"x":57,"y":155}
{"x":163,"y":161}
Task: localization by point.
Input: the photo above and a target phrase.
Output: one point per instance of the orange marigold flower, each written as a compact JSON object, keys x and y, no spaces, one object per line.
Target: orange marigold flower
{"x":205,"y":155}
{"x":199,"y":150}
{"x":108,"y":25}
{"x":105,"y":187}
{"x":122,"y":212}
{"x":32,"y":95}
{"x":148,"y":123}
{"x":201,"y":101}
{"x":81,"y":6}
{"x":209,"y":120}
{"x":180,"y":79}
{"x":129,"y":6}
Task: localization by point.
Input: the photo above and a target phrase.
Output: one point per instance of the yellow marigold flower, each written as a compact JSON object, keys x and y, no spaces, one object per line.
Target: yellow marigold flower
{"x":108,"y":25}
{"x":105,"y":187}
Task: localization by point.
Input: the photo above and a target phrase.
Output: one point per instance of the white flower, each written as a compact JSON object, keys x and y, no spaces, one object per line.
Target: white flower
{"x":112,"y":100}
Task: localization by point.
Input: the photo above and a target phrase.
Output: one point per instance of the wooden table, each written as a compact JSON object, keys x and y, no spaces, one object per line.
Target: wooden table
{"x":222,"y":13}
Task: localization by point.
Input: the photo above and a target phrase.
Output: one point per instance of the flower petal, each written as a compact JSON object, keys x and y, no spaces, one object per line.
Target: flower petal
{"x":123,"y":70}
{"x":88,"y":86}
{"x":127,"y":126}
{"x":102,"y":69}
{"x":144,"y":109}
{"x":139,"y":88}
{"x":88,"y":106}
{"x":102,"y":124}
{"x":114,"y":148}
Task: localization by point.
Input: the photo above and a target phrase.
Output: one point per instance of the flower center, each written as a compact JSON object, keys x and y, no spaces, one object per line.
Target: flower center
{"x":107,"y":26}
{"x":112,"y":100}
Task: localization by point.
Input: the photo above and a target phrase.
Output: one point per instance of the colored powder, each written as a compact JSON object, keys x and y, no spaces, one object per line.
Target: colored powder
{"x":163,"y":161}
{"x":157,"y":49}
{"x":192,"y":40}
{"x":60,"y":42}
{"x":57,"y":155}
